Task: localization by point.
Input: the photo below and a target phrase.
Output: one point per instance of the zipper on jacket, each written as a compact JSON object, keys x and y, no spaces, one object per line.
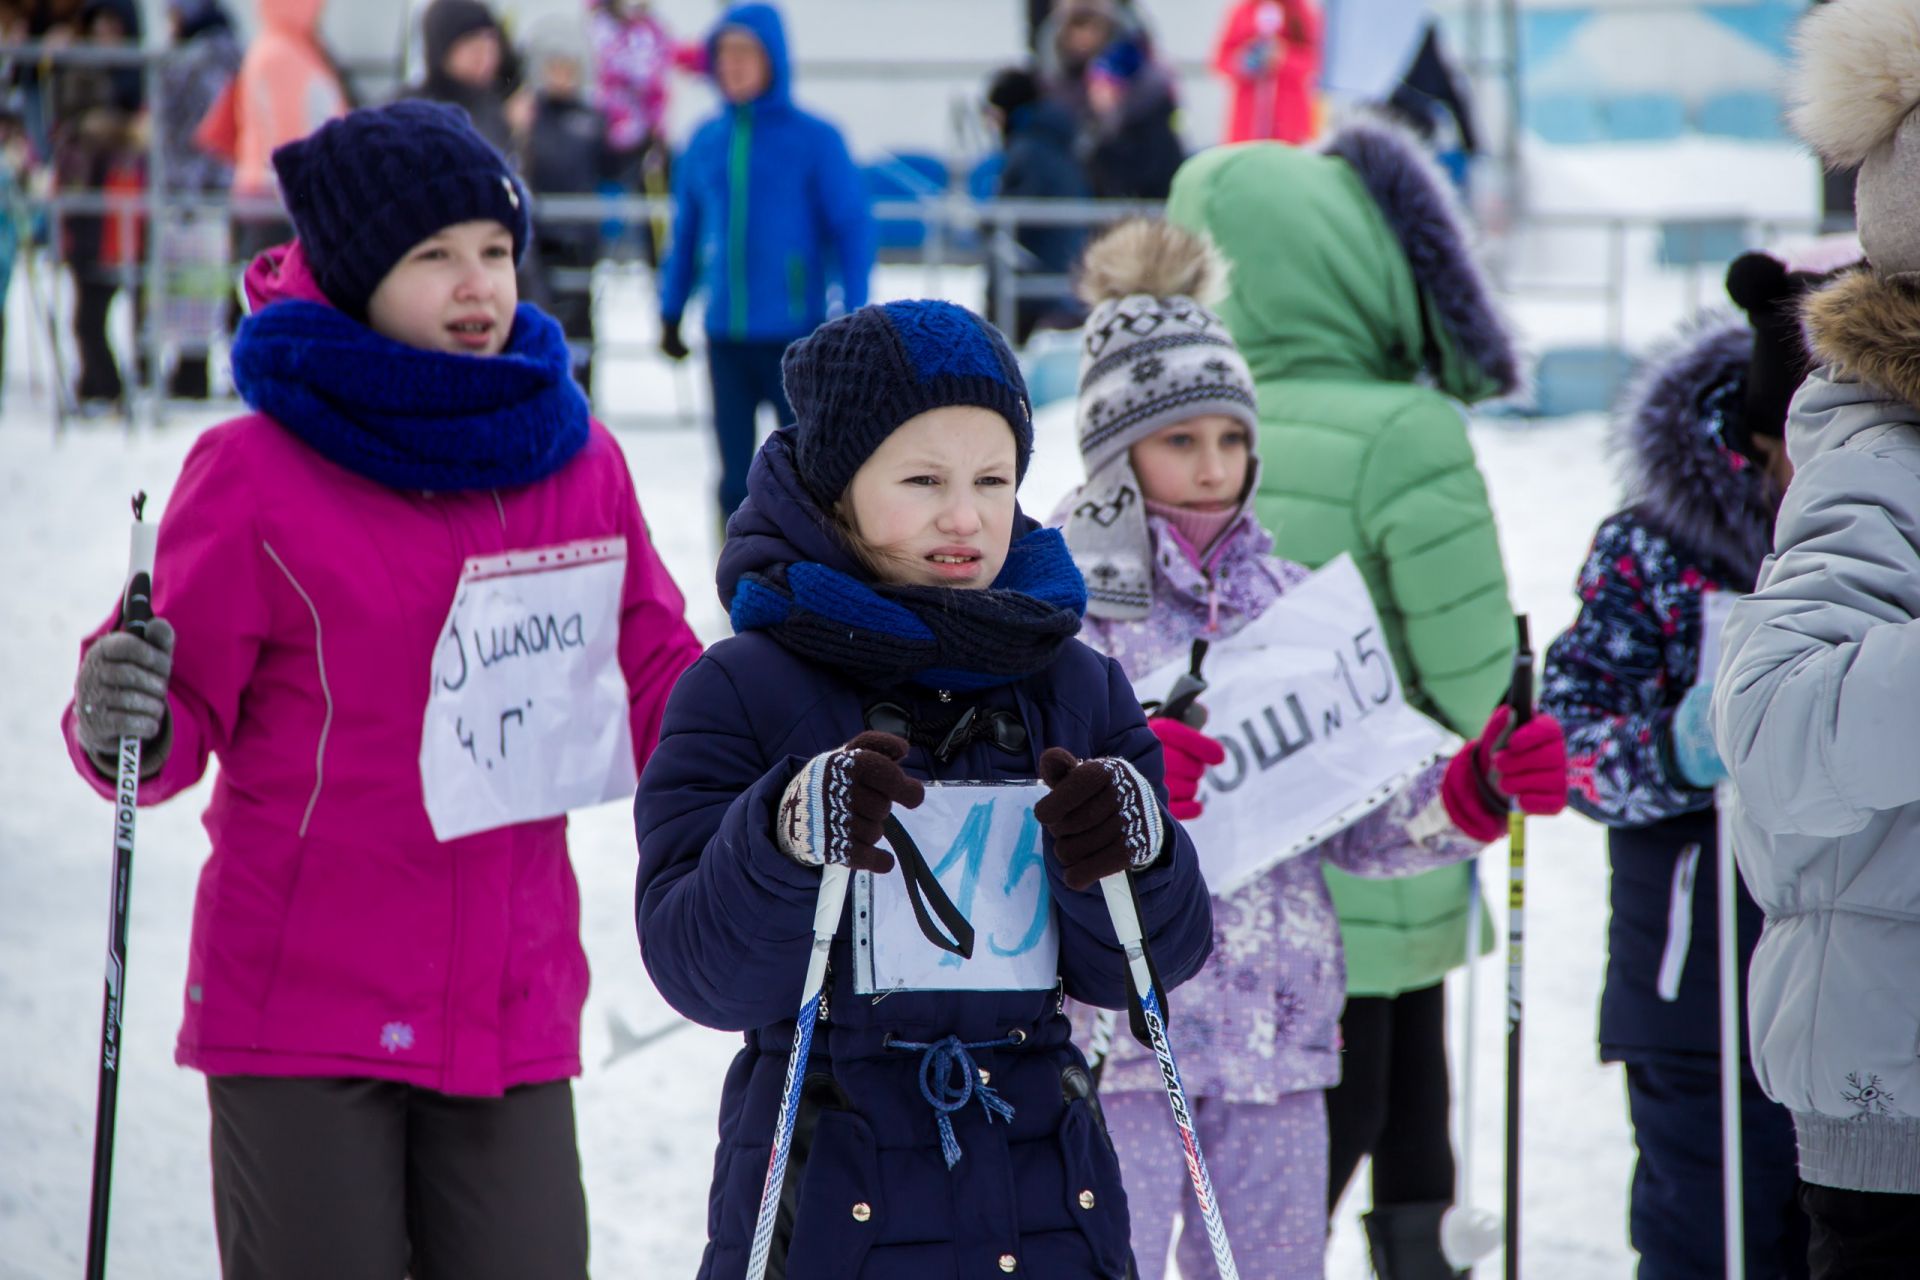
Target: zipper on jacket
{"x":1213,"y":605}
{"x":1673,"y":960}
{"x":739,"y":165}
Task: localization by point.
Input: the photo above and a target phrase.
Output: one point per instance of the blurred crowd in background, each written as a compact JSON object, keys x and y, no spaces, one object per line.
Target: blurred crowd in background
{"x":579,"y":101}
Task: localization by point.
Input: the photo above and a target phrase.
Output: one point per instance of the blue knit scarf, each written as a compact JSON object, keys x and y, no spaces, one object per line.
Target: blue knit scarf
{"x":410,"y":418}
{"x":883,"y":635}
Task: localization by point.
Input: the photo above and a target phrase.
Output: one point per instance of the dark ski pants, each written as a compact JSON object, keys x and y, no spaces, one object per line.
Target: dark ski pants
{"x":1676,"y":1219}
{"x":1392,"y":1099}
{"x":325,"y":1179}
{"x":1862,"y":1235}
{"x":745,"y":376}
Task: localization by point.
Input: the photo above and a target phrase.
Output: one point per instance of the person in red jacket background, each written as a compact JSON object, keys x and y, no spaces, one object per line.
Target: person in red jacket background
{"x":1269,"y":51}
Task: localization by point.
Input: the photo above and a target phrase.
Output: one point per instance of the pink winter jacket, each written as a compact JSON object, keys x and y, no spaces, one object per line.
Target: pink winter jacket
{"x":333,"y":934}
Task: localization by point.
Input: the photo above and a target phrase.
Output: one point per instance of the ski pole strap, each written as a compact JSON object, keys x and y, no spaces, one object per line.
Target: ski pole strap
{"x":926,"y":896}
{"x":949,"y":1080}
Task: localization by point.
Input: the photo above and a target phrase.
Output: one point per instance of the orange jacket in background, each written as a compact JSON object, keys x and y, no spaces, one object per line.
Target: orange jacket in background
{"x":1275,"y":101}
{"x":285,"y":90}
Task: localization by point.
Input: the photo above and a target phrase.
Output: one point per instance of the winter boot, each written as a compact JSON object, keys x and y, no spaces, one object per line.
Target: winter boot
{"x":1405,"y":1242}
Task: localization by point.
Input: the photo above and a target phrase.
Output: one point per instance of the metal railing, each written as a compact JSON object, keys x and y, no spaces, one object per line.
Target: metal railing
{"x":960,"y":231}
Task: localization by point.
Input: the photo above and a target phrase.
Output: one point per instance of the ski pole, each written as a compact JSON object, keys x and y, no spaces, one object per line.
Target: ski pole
{"x":1182,"y":704}
{"x":1468,"y":1234}
{"x":1732,"y":1173}
{"x":1520,"y":699}
{"x":136,"y":610}
{"x":1126,"y":926}
{"x":826,"y":921}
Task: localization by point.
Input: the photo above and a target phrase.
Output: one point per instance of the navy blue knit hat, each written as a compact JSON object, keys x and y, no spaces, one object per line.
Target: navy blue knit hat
{"x":855,"y":379}
{"x":367,"y":187}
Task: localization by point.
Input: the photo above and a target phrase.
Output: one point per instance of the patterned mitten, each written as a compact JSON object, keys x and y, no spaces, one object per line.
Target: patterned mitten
{"x":1102,"y":815}
{"x":833,"y":809}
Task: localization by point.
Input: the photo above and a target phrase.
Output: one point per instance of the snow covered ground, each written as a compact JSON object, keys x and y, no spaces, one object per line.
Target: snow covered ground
{"x":646,"y":1120}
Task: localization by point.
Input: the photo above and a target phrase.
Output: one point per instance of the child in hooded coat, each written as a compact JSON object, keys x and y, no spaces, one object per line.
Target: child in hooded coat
{"x":880,"y":573}
{"x":1168,"y":434}
{"x":1366,"y":335}
{"x":1703,"y":438}
{"x":1812,"y":705}
{"x":388,"y":1020}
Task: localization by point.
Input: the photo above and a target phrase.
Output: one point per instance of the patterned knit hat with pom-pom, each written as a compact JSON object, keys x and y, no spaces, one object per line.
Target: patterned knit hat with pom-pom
{"x":1856,"y":93}
{"x":1153,"y":356}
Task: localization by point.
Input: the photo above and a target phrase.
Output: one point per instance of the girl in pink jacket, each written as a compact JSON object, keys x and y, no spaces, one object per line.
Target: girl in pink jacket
{"x":417,"y":618}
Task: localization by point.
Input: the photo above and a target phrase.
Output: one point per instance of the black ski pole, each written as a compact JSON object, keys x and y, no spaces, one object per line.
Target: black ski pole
{"x":136,"y":610}
{"x":1520,"y":699}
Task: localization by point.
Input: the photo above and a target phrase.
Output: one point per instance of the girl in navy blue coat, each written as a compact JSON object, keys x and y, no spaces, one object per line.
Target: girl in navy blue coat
{"x":1703,"y":439}
{"x":881,"y":575}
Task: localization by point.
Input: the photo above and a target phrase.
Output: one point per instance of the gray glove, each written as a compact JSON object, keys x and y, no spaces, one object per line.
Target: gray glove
{"x":122,"y":692}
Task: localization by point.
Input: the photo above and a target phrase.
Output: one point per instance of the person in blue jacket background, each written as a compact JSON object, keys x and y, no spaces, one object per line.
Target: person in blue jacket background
{"x":768,"y":207}
{"x":1702,"y":437}
{"x":880,"y":575}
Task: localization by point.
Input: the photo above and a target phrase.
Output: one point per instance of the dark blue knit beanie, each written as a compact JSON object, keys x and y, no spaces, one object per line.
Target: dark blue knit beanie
{"x":364,"y":189}
{"x":854,"y":380}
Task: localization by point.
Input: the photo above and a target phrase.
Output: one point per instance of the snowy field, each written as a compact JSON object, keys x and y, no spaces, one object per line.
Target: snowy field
{"x":646,"y":1118}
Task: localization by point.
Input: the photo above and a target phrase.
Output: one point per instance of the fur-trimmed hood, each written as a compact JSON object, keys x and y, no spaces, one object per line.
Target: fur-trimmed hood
{"x":1868,"y":329}
{"x":1677,"y":469}
{"x":1350,"y":263}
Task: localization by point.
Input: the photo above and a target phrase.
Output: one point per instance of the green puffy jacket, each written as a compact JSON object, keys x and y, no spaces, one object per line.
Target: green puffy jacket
{"x":1357,"y":457}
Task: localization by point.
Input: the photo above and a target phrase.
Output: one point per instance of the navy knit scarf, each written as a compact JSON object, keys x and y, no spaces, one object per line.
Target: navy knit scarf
{"x":884,"y":635}
{"x":410,"y":418}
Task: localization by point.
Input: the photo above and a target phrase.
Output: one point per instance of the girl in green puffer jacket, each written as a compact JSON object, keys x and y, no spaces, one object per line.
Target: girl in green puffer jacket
{"x":1366,"y":325}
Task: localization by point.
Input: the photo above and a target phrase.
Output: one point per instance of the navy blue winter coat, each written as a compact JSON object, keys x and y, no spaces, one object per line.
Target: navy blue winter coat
{"x":1700,"y":518}
{"x":768,"y":207}
{"x":725,"y":924}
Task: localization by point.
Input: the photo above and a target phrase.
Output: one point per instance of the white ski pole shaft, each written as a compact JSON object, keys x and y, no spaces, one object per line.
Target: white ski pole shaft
{"x":1732,"y":1180}
{"x":136,"y":610}
{"x":1467,"y":1055}
{"x":826,"y":921}
{"x":1126,"y":926}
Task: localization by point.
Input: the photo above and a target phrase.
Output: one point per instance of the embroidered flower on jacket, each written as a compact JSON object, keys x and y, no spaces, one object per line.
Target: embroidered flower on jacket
{"x":396,"y":1036}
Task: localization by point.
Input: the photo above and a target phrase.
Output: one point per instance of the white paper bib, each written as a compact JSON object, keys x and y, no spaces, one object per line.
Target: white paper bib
{"x":1305,"y":700}
{"x":983,"y":844}
{"x":527,"y":716}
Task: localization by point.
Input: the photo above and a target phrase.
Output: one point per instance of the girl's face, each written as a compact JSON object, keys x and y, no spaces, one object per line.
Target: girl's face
{"x":455,"y":291}
{"x":934,"y":504}
{"x":1200,"y":464}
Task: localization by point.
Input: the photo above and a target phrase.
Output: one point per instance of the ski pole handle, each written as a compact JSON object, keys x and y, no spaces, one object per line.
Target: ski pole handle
{"x":826,"y":922}
{"x":136,"y":597}
{"x":1126,"y":927}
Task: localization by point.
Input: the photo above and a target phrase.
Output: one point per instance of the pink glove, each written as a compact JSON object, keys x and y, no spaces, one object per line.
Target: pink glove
{"x":1188,"y":752}
{"x":1529,"y":770}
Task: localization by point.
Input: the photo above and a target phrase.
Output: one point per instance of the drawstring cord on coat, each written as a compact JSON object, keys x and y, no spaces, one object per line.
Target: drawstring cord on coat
{"x":949,"y":1080}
